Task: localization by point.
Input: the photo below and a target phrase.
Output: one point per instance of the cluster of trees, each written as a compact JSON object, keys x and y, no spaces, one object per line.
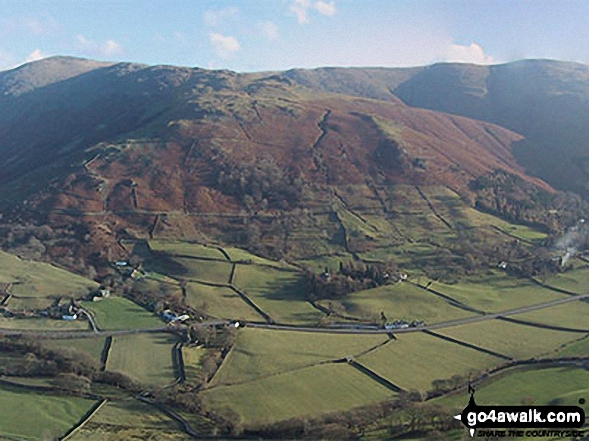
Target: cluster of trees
{"x":517,"y":200}
{"x":30,"y":358}
{"x":57,"y":244}
{"x":217,"y":341}
{"x":261,"y":185}
{"x":408,"y":416}
{"x":350,"y":277}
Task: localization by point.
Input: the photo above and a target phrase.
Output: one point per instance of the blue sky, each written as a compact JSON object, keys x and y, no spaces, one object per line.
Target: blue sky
{"x":253,"y":35}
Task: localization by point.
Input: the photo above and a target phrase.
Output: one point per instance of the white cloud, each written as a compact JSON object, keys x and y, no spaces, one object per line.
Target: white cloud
{"x":214,"y":17}
{"x":269,"y":30}
{"x":111,"y":47}
{"x":325,"y":8}
{"x":92,"y":48}
{"x":35,"y":55}
{"x":224,"y":45}
{"x":472,"y":53}
{"x":301,"y":8}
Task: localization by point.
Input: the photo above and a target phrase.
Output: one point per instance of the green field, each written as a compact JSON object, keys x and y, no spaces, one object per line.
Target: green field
{"x":415,"y":360}
{"x":399,"y":301}
{"x":479,"y":219}
{"x":37,"y":279}
{"x":576,"y":280}
{"x":513,"y":340}
{"x":43,"y":324}
{"x":576,"y":348}
{"x":237,"y":254}
{"x":91,"y":346}
{"x":497,"y":292}
{"x":568,"y":315}
{"x":129,"y":419}
{"x":219,"y":302}
{"x":212,"y":271}
{"x":47,"y":416}
{"x":186,"y":249}
{"x":114,"y":313}
{"x":191,"y":357}
{"x":308,"y":391}
{"x":146,"y":358}
{"x":539,"y":386}
{"x":280,"y":294}
{"x":28,"y":303}
{"x":262,"y":352}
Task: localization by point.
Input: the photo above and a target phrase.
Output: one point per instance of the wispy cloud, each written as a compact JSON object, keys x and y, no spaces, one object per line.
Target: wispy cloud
{"x":37,"y":54}
{"x":269,"y":30}
{"x":301,"y":8}
{"x":215,"y":17}
{"x":472,"y":53}
{"x":224,"y":45}
{"x":325,"y":8}
{"x":107,"y":48}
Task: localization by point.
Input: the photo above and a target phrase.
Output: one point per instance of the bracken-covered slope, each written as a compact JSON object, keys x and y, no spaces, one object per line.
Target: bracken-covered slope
{"x":544,"y":100}
{"x":139,"y":141}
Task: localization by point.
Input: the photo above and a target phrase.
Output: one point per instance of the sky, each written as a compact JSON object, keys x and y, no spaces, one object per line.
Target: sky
{"x":261,"y":35}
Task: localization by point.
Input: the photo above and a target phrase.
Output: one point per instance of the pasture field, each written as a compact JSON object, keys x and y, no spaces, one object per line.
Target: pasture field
{"x":145,"y":357}
{"x":406,"y":256}
{"x":38,"y":279}
{"x":414,"y":361}
{"x":309,"y":391}
{"x":47,"y":416}
{"x":478,"y":218}
{"x":261,"y":352}
{"x":319,"y":263}
{"x":43,"y":324}
{"x":576,"y":348}
{"x":115,"y":313}
{"x":185,"y":249}
{"x":219,"y":302}
{"x":510,"y":339}
{"x":240,"y":255}
{"x":212,"y":271}
{"x":317,"y":235}
{"x":191,"y":357}
{"x":497,"y":292}
{"x":538,"y":386}
{"x":280,"y":294}
{"x":421,"y":226}
{"x":569,"y":315}
{"x":399,"y":301}
{"x":91,"y":346}
{"x":28,"y":303}
{"x":129,"y":419}
{"x":576,"y":280}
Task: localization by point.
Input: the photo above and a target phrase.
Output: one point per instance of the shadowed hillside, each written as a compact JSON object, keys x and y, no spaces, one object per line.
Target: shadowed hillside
{"x":545,"y":101}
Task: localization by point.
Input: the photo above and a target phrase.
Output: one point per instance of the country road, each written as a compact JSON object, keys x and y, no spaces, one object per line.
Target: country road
{"x":468,"y":320}
{"x":298,"y":328}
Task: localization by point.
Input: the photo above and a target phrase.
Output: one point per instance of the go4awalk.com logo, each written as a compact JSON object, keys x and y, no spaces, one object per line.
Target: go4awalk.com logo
{"x":522,"y":421}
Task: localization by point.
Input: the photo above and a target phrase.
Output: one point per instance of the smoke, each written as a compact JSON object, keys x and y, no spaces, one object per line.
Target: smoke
{"x":570,"y":241}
